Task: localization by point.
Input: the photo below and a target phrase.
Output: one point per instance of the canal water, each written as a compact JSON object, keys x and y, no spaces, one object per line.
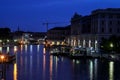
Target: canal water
{"x":33,"y":62}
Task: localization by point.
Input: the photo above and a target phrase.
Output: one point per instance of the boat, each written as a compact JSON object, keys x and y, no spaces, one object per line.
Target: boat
{"x":7,"y":58}
{"x":55,"y":51}
{"x":78,"y":53}
{"x":60,"y":50}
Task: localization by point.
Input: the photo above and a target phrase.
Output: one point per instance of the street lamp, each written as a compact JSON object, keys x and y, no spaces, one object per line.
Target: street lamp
{"x":111,"y":45}
{"x":2,"y":57}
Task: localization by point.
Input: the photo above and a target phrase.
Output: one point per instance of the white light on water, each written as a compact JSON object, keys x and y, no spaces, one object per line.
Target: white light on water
{"x":8,"y":49}
{"x":15,"y":71}
{"x":111,"y":70}
{"x":38,"y":48}
{"x":26,"y":48}
{"x":31,"y":48}
{"x":91,"y":70}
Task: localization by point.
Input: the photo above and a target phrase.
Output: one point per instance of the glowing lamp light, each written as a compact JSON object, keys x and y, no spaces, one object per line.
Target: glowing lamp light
{"x":15,"y":48}
{"x":0,"y":40}
{"x":2,"y":57}
{"x":8,"y":40}
{"x":111,"y":45}
{"x":15,"y":40}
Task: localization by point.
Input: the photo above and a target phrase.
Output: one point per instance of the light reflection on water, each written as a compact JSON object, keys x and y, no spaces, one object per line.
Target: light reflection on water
{"x":34,"y":63}
{"x":111,"y":70}
{"x":15,"y":49}
{"x":38,"y":48}
{"x":95,"y":68}
{"x":44,"y":66}
{"x":8,"y":49}
{"x":91,"y":70}
{"x":31,"y":48}
{"x":15,"y":71}
{"x":21,"y":48}
{"x":51,"y":67}
{"x":26,"y":47}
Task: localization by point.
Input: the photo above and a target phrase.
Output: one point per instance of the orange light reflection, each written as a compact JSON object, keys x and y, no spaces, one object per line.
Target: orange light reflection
{"x":15,"y":49}
{"x":31,"y":48}
{"x":51,"y":66}
{"x":15,"y":71}
{"x":44,"y":66}
{"x":21,"y":47}
{"x":44,"y":50}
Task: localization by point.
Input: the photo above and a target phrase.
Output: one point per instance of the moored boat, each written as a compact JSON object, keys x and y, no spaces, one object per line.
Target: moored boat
{"x":6,"y":58}
{"x":60,"y":50}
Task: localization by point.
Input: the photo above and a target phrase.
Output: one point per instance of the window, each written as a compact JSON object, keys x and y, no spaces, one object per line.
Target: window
{"x":110,"y":16}
{"x":110,"y":30}
{"x":102,"y":30}
{"x":118,"y":30}
{"x":118,"y":16}
{"x":118,"y":22}
{"x":110,"y":23}
{"x":102,"y":22}
{"x":102,"y":15}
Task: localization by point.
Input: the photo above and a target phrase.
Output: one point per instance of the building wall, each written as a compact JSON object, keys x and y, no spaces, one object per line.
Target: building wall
{"x":91,"y":29}
{"x":56,"y":36}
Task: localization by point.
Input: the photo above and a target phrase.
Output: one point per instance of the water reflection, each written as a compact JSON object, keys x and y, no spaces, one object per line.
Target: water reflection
{"x":38,"y":56}
{"x":44,"y":51}
{"x":111,"y":70}
{"x":25,"y":64}
{"x":31,"y":66}
{"x":26,"y":48}
{"x":21,"y":47}
{"x":15,"y":49}
{"x":95,"y":68}
{"x":56,"y":63}
{"x":31,"y":48}
{"x":35,"y":63}
{"x":44,"y":66}
{"x":8,"y":49}
{"x":51,"y":66}
{"x":15,"y":71}
{"x":38,"y":48}
{"x":91,"y":70}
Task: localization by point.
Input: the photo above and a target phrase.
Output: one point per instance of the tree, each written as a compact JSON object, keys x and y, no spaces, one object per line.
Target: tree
{"x":111,"y":44}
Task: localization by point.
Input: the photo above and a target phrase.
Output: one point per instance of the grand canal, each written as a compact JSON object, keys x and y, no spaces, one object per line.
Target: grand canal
{"x":33,"y":62}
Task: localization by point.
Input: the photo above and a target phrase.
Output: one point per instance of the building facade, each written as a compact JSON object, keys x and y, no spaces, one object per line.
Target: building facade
{"x":88,"y":31}
{"x":56,"y":36}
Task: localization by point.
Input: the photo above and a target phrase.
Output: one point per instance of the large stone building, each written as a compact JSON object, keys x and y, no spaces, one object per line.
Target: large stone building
{"x":88,"y":31}
{"x":56,"y":36}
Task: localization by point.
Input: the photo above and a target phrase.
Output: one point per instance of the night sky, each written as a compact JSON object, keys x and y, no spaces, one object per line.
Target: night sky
{"x":30,"y":14}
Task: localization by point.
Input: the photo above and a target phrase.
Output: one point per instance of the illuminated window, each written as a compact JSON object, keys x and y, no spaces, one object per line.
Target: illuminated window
{"x":58,"y":43}
{"x":53,"y":43}
{"x":83,"y":43}
{"x":89,"y":43}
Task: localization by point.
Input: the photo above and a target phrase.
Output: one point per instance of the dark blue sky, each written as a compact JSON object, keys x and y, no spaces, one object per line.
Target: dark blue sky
{"x":30,"y":14}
